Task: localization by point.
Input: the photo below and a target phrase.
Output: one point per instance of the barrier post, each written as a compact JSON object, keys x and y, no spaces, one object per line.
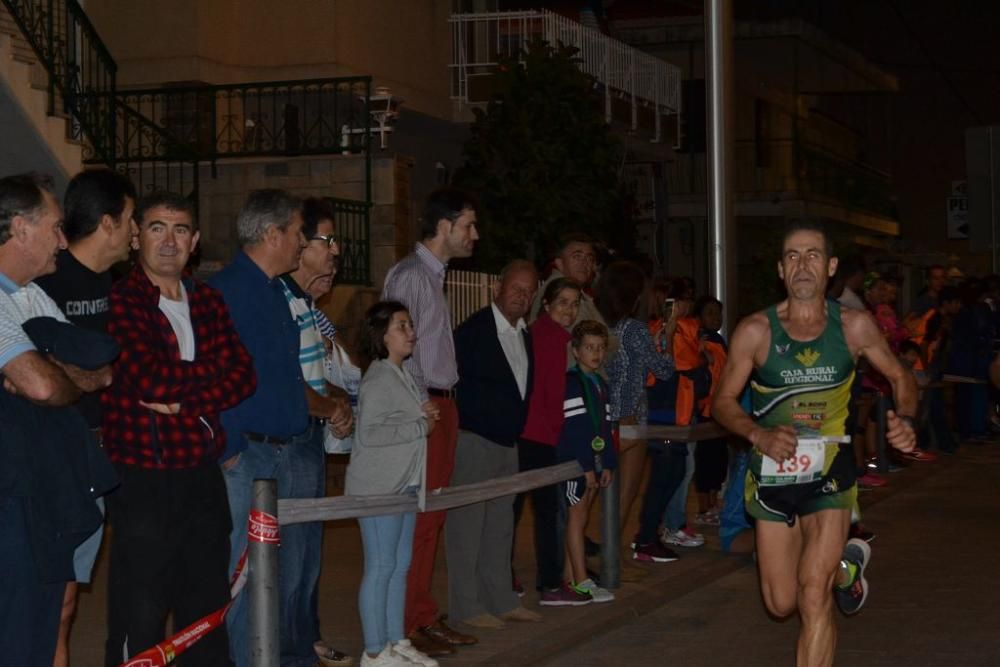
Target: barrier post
{"x":262,"y":573}
{"x":610,"y":535}
{"x":881,"y":455}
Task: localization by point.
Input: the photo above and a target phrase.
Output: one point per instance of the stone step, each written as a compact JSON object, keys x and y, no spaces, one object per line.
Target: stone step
{"x":22,"y":78}
{"x":20,"y":49}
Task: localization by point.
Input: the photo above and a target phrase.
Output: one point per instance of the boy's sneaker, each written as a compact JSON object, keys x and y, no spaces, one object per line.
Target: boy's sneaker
{"x":598,"y":594}
{"x":406,"y":650}
{"x":851,"y":598}
{"x":682,"y":538}
{"x":654,"y":552}
{"x":564,"y":596}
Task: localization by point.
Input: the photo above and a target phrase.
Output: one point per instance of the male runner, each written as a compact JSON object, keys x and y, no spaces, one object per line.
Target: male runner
{"x":802,"y":353}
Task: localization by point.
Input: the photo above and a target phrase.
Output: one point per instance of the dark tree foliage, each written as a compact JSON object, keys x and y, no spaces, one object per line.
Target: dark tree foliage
{"x":544,"y":162}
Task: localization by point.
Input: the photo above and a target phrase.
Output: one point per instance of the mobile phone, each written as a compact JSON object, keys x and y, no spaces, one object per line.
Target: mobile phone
{"x":668,"y":308}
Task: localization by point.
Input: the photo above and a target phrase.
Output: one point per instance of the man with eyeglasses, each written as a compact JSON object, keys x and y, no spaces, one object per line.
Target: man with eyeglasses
{"x":274,"y":434}
{"x":329,"y":407}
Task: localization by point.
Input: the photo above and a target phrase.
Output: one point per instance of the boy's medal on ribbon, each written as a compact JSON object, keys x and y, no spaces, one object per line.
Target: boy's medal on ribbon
{"x":597,"y":444}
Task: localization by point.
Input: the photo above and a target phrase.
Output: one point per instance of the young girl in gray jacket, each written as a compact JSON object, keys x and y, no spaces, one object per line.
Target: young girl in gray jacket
{"x":389,"y":454}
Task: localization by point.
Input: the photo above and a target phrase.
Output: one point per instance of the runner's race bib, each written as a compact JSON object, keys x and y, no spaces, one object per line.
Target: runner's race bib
{"x":804,"y":467}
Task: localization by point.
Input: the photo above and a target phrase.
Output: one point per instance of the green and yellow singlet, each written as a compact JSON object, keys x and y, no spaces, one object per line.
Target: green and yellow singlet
{"x":804,"y":384}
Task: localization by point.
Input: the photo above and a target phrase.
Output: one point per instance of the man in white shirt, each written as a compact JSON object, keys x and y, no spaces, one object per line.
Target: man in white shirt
{"x":493,"y":350}
{"x":182,"y":363}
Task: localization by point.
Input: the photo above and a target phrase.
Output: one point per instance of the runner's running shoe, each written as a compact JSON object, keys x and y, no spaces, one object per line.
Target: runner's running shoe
{"x":851,"y":598}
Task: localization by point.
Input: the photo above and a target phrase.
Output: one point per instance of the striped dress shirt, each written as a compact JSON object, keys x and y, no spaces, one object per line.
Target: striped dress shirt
{"x":417,"y":282}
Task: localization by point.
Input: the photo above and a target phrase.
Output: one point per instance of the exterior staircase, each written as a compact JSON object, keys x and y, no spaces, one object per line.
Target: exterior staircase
{"x":32,"y":137}
{"x":53,"y":61}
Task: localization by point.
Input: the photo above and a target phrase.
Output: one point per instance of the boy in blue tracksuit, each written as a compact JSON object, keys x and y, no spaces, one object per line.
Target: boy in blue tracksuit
{"x":586,"y":438}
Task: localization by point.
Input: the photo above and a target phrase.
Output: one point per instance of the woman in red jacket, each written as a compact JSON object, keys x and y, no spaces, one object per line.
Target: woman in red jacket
{"x":550,"y":336}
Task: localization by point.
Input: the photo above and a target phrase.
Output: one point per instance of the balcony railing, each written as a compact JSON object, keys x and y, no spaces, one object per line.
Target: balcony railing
{"x":801,"y":169}
{"x":480,"y":40}
{"x":161,"y":137}
{"x":280,"y":118}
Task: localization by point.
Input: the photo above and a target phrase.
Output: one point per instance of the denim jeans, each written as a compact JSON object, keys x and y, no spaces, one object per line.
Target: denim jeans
{"x":675,"y":517}
{"x":388,"y":545}
{"x":299,"y":468}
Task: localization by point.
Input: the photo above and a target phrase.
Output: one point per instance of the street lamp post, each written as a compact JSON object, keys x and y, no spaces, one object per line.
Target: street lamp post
{"x":721,"y":98}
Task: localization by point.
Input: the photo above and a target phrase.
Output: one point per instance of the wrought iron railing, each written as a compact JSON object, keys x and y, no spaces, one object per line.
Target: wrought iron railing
{"x":81,"y":71}
{"x":161,"y":137}
{"x":312,"y":116}
{"x":145,"y":164}
{"x":351,"y":225}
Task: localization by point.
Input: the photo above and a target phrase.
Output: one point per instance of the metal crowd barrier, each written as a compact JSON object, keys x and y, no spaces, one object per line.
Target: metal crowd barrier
{"x":262,"y":584}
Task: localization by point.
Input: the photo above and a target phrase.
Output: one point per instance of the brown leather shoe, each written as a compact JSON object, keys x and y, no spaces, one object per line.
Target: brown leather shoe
{"x":428,"y":645}
{"x":441,"y":632}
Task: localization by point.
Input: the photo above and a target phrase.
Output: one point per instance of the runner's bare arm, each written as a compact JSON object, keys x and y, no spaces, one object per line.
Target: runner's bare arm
{"x":865,"y":339}
{"x":751,"y":335}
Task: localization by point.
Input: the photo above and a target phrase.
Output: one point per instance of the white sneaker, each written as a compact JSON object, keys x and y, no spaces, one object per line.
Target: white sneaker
{"x":404,"y":649}
{"x":384,"y":659}
{"x":596,"y":592}
{"x":681,"y":538}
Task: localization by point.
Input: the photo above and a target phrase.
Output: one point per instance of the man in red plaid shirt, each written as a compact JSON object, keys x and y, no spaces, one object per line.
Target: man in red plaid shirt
{"x":182,"y":364}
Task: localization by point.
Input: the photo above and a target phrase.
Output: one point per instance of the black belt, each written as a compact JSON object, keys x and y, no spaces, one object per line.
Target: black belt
{"x":442,"y":393}
{"x":265,"y":439}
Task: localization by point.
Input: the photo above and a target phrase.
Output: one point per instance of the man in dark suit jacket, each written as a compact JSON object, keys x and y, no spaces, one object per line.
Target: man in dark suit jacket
{"x":493,"y":350}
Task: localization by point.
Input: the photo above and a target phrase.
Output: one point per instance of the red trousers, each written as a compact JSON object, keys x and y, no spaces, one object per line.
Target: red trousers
{"x":421,"y":608}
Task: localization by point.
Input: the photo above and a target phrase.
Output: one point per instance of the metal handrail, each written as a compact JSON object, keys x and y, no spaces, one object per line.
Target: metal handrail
{"x":80,"y":68}
{"x":279,"y":118}
{"x":617,"y":68}
{"x":123,"y":129}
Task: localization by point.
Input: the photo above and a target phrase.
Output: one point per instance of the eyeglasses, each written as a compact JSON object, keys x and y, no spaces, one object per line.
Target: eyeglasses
{"x":330,"y":240}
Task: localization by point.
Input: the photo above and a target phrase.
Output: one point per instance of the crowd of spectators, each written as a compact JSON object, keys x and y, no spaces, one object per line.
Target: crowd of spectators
{"x":215,"y":384}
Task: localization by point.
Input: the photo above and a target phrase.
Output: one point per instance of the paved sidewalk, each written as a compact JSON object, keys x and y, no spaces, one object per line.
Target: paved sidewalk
{"x":932,"y":599}
{"x":936,"y":530}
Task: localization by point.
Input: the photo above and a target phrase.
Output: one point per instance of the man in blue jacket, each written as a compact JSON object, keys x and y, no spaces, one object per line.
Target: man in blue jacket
{"x":493,"y":350}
